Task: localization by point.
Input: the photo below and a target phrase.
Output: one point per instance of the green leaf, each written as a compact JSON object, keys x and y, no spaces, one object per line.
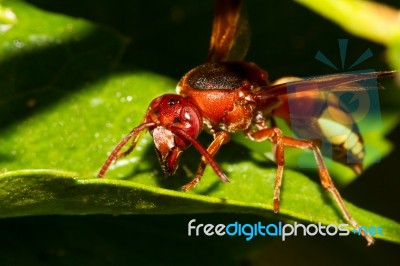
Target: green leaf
{"x":42,"y":64}
{"x":37,"y":192}
{"x":367,"y":19}
{"x":394,"y":52}
{"x":7,"y":18}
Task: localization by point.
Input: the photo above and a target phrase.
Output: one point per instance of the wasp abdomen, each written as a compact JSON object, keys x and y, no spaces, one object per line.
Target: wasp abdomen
{"x":314,"y":117}
{"x":342,"y":132}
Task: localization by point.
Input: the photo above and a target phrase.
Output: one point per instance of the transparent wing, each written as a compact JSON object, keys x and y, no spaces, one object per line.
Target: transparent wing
{"x":337,"y":82}
{"x":230,"y":37}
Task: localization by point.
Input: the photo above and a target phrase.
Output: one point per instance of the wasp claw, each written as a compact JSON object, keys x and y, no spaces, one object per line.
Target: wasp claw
{"x":276,"y":205}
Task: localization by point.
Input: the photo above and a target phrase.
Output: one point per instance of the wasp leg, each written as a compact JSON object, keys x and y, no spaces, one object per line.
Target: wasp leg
{"x":276,"y":137}
{"x":130,"y":149}
{"x":220,"y":138}
{"x":273,"y":125}
{"x":133,"y":144}
{"x":115,"y":154}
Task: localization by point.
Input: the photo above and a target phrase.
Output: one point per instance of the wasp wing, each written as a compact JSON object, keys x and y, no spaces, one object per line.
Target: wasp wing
{"x":336,"y":82}
{"x":230,"y":37}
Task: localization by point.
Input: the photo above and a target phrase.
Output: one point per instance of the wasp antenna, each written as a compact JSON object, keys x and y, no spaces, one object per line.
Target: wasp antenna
{"x":211,"y":161}
{"x":115,"y":153}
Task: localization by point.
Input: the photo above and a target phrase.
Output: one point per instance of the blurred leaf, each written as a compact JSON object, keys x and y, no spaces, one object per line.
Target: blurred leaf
{"x":7,"y":18}
{"x":394,"y":52}
{"x":44,"y":57}
{"x":374,"y":21}
{"x":367,"y":19}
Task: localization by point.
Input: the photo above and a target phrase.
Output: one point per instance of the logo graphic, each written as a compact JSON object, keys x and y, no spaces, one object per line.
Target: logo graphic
{"x":343,"y":52}
{"x":336,"y":117}
{"x":283,"y":231}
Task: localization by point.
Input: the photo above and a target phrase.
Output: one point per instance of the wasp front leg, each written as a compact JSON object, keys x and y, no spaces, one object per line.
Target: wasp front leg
{"x":220,"y":138}
{"x":276,"y":137}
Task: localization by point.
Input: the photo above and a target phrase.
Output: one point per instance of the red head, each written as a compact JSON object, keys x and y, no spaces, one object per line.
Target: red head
{"x":174,"y":122}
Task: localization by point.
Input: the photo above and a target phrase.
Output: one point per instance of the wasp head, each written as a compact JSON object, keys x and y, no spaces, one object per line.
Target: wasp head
{"x":176,"y":121}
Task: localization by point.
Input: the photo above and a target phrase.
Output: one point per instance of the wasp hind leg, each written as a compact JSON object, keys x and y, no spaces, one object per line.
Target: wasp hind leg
{"x":275,"y":135}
